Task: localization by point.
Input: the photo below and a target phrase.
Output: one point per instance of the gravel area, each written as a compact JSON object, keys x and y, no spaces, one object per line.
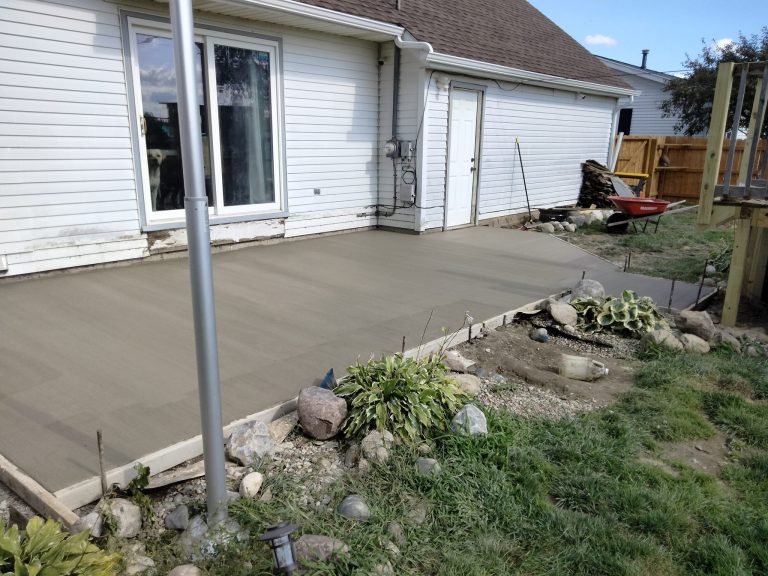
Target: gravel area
{"x":620,"y":347}
{"x":530,"y":401}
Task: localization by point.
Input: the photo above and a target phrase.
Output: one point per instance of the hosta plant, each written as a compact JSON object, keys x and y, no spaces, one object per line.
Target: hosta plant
{"x":411,"y":398}
{"x":43,"y":549}
{"x":629,"y":314}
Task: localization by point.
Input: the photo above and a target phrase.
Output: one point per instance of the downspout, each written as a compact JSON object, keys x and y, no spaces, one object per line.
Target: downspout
{"x":400,"y":44}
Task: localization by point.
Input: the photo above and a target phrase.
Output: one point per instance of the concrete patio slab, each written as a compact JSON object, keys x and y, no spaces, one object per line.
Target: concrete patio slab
{"x":113,"y":349}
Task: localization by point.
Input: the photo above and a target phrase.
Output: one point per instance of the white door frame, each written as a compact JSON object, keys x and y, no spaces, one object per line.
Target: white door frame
{"x":480,"y":90}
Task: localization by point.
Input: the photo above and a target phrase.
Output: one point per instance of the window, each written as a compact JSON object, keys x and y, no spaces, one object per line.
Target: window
{"x":239,"y":131}
{"x":625,"y":121}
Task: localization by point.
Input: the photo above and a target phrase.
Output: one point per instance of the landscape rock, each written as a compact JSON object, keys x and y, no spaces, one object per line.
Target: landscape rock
{"x":321,"y":412}
{"x":424,"y":448}
{"x":577,"y":220}
{"x":384,"y":569}
{"x":468,"y":383}
{"x":178,"y":518}
{"x":395,"y":530}
{"x":363,"y":466}
{"x":427,"y":467}
{"x":5,"y":514}
{"x":232,"y":496}
{"x":547,"y":228}
{"x":570,"y":227}
{"x":127,"y":517}
{"x":392,"y":548}
{"x":280,"y":428}
{"x":186,"y":570}
{"x":587,"y":288}
{"x":418,"y":512}
{"x":662,"y":338}
{"x":316,"y":548}
{"x":753,"y":350}
{"x":456,"y":362}
{"x":693,"y":343}
{"x":198,"y":541}
{"x":251,"y":485}
{"x":697,"y":323}
{"x":136,"y":560}
{"x":540,"y":335}
{"x":375,"y":446}
{"x":352,"y":455}
{"x":557,"y":226}
{"x":249,"y":443}
{"x":354,"y":508}
{"x":710,"y":269}
{"x":470,"y":420}
{"x":93,"y":523}
{"x":563,"y":313}
{"x":723,"y":338}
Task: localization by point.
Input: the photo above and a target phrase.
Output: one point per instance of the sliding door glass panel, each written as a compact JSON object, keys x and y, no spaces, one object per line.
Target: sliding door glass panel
{"x":160,"y":126}
{"x":245,"y":125}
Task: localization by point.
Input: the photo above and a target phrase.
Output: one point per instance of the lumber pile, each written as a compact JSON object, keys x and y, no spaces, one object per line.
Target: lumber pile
{"x":596,"y":185}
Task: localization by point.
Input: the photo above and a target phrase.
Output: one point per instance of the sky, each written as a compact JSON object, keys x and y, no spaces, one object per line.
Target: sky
{"x":620,"y":29}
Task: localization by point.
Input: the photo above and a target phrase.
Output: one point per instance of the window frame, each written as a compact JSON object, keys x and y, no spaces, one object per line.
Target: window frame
{"x":208,"y":36}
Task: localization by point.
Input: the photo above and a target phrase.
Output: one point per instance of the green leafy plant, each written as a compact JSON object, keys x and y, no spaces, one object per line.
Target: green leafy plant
{"x":410,"y":398}
{"x":629,"y":314}
{"x":43,"y":549}
{"x":136,"y":487}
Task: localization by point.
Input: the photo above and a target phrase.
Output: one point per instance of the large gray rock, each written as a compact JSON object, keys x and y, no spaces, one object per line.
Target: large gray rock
{"x":280,"y":428}
{"x":693,"y":343}
{"x":577,"y":220}
{"x":697,"y":323}
{"x":251,"y":484}
{"x":456,"y":362}
{"x":587,"y":288}
{"x":126,"y":516}
{"x":468,"y":383}
{"x":427,"y":467}
{"x":93,"y":523}
{"x":321,"y":412}
{"x":547,"y":228}
{"x":354,"y":508}
{"x":352,"y":455}
{"x":376,"y":445}
{"x":395,"y":530}
{"x":199,"y":541}
{"x":186,"y":570}
{"x":662,"y":338}
{"x":470,"y":420}
{"x":136,"y":560}
{"x":315,"y":548}
{"x":723,"y":338}
{"x":178,"y":518}
{"x":563,"y":313}
{"x":249,"y":443}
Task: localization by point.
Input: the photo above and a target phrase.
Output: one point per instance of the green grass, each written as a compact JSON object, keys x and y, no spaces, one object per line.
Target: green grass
{"x":567,"y":497}
{"x":678,"y":250}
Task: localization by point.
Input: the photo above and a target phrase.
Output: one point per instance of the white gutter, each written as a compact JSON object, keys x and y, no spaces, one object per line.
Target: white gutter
{"x":483,"y":69}
{"x":413,"y":45}
{"x":325,"y":15}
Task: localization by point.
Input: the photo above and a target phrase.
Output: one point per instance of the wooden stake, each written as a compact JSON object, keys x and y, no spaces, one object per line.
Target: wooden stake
{"x":102,"y":472}
{"x":671,"y":293}
{"x":402,"y":348}
{"x":701,"y":284}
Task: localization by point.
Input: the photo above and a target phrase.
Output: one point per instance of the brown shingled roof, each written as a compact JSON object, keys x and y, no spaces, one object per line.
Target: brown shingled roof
{"x":507,"y":32}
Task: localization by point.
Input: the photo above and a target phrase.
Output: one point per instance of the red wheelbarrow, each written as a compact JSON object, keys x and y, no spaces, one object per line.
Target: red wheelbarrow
{"x":633,"y":209}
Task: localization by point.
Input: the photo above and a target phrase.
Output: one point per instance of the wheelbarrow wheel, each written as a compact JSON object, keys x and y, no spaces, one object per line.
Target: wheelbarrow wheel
{"x":617,"y":223}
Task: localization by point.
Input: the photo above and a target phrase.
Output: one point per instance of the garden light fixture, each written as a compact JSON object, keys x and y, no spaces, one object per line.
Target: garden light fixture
{"x":279,"y":539}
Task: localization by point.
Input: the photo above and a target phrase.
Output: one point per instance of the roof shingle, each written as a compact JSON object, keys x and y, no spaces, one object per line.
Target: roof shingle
{"x":506,"y":32}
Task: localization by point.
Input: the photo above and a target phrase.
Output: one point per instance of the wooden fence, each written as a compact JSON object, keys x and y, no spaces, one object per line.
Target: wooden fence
{"x":681,"y":180}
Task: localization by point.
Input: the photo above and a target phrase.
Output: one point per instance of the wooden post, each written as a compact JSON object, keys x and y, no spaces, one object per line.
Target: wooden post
{"x":757,"y":261}
{"x":717,"y":126}
{"x":736,"y":273}
{"x":753,"y":132}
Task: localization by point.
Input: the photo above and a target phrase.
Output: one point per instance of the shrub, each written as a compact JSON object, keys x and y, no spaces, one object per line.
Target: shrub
{"x":44,"y":550}
{"x":629,"y":314}
{"x":410,"y":398}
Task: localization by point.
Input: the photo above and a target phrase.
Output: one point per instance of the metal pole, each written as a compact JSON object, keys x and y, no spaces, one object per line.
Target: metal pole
{"x":201,"y":273}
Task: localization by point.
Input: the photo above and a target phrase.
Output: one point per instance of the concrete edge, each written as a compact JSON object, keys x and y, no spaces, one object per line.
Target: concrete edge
{"x":89,"y":490}
{"x":36,"y":495}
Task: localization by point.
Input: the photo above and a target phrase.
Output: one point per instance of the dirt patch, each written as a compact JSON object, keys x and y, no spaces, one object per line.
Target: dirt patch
{"x":704,"y":455}
{"x":511,"y":352}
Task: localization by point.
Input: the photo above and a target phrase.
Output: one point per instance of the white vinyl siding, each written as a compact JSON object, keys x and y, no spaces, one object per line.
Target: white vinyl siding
{"x":557,"y":130}
{"x":67,"y":189}
{"x":68,"y":192}
{"x":647,"y":117}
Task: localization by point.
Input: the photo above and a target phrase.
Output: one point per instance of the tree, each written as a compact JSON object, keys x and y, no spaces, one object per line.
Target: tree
{"x":690,"y":98}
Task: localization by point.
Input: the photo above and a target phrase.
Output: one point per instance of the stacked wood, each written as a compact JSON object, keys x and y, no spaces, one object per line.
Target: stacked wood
{"x":596,"y":185}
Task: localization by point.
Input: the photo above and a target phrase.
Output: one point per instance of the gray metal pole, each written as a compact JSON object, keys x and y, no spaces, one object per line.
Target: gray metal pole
{"x":201,"y":273}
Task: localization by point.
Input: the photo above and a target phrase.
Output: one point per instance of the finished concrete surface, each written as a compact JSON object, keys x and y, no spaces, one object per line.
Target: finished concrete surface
{"x":113,"y":349}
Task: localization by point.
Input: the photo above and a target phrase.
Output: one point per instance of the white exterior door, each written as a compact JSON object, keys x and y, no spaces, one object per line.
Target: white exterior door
{"x":461,"y":157}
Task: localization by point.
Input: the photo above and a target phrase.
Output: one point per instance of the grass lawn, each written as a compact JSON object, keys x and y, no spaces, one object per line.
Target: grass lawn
{"x":678,"y":250}
{"x":592,"y":495}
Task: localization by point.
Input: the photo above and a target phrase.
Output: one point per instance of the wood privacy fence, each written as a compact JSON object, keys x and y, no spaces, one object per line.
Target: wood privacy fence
{"x":681,"y":180}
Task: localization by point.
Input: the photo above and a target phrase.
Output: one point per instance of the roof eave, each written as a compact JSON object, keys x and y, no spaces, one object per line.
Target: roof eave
{"x":451,"y":63}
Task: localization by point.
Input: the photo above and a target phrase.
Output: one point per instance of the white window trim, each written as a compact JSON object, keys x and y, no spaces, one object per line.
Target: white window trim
{"x":208,"y":38}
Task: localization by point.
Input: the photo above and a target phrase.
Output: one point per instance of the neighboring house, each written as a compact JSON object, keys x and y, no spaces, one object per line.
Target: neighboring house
{"x":305,"y":96}
{"x":643,"y":116}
